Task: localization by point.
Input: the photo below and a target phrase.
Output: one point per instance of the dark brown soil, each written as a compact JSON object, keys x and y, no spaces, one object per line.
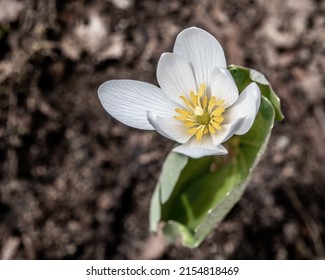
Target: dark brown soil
{"x":76,"y":184}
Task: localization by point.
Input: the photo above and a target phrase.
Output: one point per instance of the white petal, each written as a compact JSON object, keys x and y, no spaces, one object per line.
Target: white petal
{"x":128,"y":101}
{"x":227,"y":131}
{"x":202,"y":50}
{"x":226,"y":71}
{"x":197,"y":149}
{"x":169,"y":127}
{"x":223,"y":86}
{"x":175,"y":76}
{"x":246,"y":106}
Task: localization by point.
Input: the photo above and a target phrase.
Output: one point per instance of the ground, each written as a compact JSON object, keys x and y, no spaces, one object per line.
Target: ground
{"x":76,"y":184}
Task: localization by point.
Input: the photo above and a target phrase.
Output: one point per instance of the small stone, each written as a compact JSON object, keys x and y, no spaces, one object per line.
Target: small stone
{"x":282,"y":143}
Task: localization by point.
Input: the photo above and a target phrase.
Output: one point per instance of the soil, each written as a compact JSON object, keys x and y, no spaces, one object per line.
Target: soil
{"x":76,"y":184}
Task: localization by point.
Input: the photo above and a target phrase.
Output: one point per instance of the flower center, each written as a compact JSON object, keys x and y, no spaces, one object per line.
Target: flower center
{"x":201,"y":115}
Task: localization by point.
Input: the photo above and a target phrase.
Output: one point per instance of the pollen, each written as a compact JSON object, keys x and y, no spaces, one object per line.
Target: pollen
{"x":201,"y":114}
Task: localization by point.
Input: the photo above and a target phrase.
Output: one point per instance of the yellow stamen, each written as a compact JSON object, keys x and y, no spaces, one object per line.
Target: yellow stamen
{"x":211,"y":129}
{"x":218,"y":119}
{"x":193,"y":98}
{"x":218,"y":112}
{"x":205,"y":101}
{"x":183,"y":112}
{"x":182,"y":118}
{"x":203,"y":115}
{"x":189,"y":124}
{"x":187,"y":102}
{"x":211,"y":103}
{"x":193,"y":130}
{"x":216,"y":125}
{"x":201,"y":90}
{"x":199,"y":133}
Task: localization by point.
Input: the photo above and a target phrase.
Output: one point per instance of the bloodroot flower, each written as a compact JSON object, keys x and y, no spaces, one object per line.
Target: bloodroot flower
{"x":197,"y":105}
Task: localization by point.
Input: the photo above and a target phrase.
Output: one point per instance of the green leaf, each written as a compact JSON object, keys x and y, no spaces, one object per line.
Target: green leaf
{"x":244,"y":76}
{"x":169,"y":176}
{"x":206,"y":189}
{"x":172,"y":168}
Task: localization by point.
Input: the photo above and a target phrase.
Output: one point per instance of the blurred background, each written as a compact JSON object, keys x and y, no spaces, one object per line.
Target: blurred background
{"x":76,"y":184}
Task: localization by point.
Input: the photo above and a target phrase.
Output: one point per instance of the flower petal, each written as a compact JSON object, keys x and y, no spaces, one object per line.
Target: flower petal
{"x":197,"y":149}
{"x":246,"y":106}
{"x":175,"y":76}
{"x":226,"y":71}
{"x":202,"y":50}
{"x":169,"y":128}
{"x":223,"y":86}
{"x":128,"y":101}
{"x":227,"y":131}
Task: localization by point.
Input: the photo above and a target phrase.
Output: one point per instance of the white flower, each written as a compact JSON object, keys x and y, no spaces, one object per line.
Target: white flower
{"x":197,"y":104}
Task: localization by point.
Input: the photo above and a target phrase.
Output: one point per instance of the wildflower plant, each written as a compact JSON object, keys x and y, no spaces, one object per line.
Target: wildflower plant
{"x":220,"y":118}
